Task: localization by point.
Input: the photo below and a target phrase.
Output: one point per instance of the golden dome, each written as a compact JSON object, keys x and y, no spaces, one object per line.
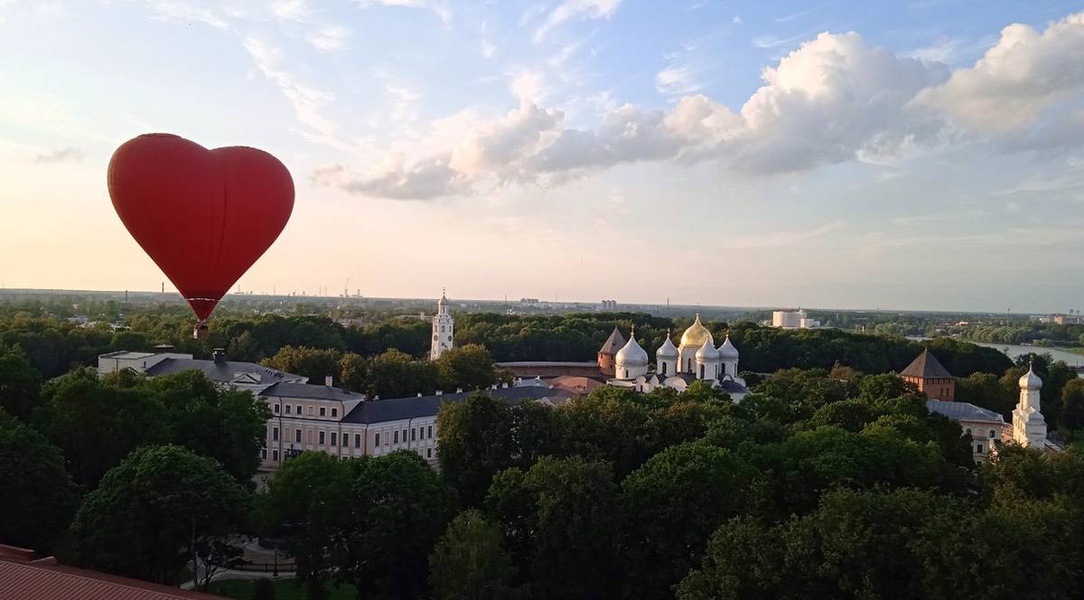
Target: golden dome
{"x":696,"y":335}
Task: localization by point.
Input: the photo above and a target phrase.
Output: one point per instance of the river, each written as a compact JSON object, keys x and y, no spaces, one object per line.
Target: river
{"x":1013,"y":350}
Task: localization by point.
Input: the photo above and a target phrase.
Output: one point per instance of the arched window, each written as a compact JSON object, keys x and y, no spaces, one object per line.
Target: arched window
{"x":626,"y":373}
{"x":664,"y":368}
{"x":967,"y":431}
{"x":992,"y":433}
{"x":701,"y":371}
{"x":689,"y":366}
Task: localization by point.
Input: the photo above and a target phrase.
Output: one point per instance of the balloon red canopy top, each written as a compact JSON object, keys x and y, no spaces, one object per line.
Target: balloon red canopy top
{"x":204,"y":216}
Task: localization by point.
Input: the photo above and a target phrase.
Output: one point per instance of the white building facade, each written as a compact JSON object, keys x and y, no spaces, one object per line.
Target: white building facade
{"x":1028,"y":424}
{"x":443,"y":329}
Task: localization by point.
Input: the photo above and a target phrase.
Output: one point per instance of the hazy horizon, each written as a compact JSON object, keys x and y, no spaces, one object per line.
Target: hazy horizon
{"x":901,"y":155}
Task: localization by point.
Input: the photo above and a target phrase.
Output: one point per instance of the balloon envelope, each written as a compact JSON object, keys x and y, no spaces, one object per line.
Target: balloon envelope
{"x":204,"y":216}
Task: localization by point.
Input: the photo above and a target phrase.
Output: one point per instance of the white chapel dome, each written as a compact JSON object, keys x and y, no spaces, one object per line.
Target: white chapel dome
{"x":1031,"y":381}
{"x":667,"y":349}
{"x":631,"y":354}
{"x":707,"y":353}
{"x":727,"y":350}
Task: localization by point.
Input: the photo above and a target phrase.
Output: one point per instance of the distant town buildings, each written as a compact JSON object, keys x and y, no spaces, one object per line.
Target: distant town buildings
{"x":790,"y":318}
{"x":608,"y":306}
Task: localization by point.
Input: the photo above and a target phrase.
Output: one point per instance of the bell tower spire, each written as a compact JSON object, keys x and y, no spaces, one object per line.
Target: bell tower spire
{"x":443,"y":328}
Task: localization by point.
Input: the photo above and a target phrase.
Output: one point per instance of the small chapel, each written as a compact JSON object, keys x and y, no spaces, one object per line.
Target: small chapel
{"x":627,"y":364}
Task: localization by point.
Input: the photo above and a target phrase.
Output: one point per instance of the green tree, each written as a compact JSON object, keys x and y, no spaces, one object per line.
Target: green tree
{"x":20,"y":384}
{"x":226,"y":424}
{"x":152,"y":510}
{"x":984,"y":390}
{"x":671,"y":506}
{"x":39,"y":497}
{"x":468,"y":367}
{"x":97,"y":422}
{"x":300,"y":507}
{"x":387,"y":523}
{"x":475,"y":444}
{"x":1072,"y":402}
{"x":560,"y":521}
{"x":314,"y":363}
{"x":395,"y":374}
{"x":470,"y":563}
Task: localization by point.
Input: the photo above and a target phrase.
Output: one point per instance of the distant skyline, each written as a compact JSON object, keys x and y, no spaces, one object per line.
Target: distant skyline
{"x":916,"y":155}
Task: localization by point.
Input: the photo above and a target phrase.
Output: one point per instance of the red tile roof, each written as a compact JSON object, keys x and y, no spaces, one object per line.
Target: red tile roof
{"x":44,"y":579}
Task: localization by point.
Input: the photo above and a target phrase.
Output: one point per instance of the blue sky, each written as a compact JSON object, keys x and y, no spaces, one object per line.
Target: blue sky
{"x":915,"y":155}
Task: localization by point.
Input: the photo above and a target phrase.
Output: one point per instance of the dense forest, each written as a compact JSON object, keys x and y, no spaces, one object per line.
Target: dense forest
{"x":826,"y":482}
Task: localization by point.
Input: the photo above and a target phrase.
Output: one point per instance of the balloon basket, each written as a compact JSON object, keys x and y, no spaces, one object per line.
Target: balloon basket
{"x":200,"y":331}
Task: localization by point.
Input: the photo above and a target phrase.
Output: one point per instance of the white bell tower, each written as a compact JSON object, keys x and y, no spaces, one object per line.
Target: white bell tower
{"x":1028,"y":424}
{"x":443,"y":328}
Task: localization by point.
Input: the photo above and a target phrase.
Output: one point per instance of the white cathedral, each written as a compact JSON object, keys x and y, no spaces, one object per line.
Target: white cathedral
{"x":696,"y":358}
{"x":443,"y":328}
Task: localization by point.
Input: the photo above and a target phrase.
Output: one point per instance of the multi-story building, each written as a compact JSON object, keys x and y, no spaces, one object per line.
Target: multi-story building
{"x":793,"y":319}
{"x":930,"y":377}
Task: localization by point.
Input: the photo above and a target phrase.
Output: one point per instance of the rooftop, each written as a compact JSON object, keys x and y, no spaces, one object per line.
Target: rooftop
{"x":23,"y":577}
{"x":413,"y":407}
{"x":963,"y":411}
{"x":226,"y":371}
{"x":926,"y":366}
{"x":287,"y":389}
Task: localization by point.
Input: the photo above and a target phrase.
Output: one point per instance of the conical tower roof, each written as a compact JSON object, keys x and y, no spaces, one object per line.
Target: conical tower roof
{"x":613,"y":344}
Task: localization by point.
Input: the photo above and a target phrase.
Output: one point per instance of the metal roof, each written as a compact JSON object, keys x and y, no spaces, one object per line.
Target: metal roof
{"x":396,"y":409}
{"x":285,"y":389}
{"x":46,"y":580}
{"x":613,"y":343}
{"x":225,"y":371}
{"x":963,"y":411}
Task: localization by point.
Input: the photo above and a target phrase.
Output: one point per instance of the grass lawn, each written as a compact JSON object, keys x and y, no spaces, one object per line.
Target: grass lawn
{"x":285,"y":589}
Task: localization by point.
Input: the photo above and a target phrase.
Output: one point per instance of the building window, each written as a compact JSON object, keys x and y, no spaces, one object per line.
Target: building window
{"x":277,"y":409}
{"x":992,"y":434}
{"x":386,"y":439}
{"x":275,"y":455}
{"x":442,"y":329}
{"x":322,"y":434}
{"x":395,"y":440}
{"x":430,"y":435}
{"x":323,"y":411}
{"x":334,"y":438}
{"x":297,"y":435}
{"x":299,"y":410}
{"x":429,"y":453}
{"x":275,"y":434}
{"x":413,"y":435}
{"x":263,"y":453}
{"x":377,"y":440}
{"x":449,"y":339}
{"x":701,"y":371}
{"x":404,"y":436}
{"x":664,"y":368}
{"x":357,"y":440}
{"x":334,"y":412}
{"x":287,"y":409}
{"x":967,"y":431}
{"x":978,"y":448}
{"x":689,"y":367}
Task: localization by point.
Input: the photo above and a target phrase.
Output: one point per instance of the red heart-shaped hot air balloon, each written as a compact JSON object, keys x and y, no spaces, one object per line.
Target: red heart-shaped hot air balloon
{"x":204,"y":216}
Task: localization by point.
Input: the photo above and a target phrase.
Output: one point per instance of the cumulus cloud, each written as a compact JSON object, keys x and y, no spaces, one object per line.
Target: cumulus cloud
{"x":1019,"y":78}
{"x":61,"y":155}
{"x":834,"y":99}
{"x":331,"y":37}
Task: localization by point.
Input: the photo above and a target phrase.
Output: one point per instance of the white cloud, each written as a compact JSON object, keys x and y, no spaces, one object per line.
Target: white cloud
{"x":306,"y":101}
{"x":528,"y":84}
{"x":331,"y":37}
{"x":488,"y":49}
{"x":676,"y":81}
{"x":583,"y":9}
{"x":291,"y":10}
{"x":441,"y":9}
{"x":61,"y":155}
{"x":834,"y":99}
{"x":177,"y":11}
{"x":1018,"y":79}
